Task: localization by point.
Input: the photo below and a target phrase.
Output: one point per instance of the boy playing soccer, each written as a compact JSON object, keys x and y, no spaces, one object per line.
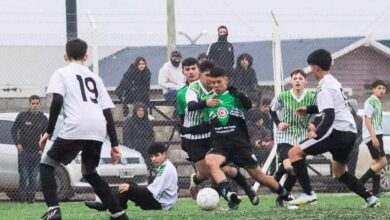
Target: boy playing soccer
{"x":373,"y":134}
{"x":160,"y":194}
{"x":87,"y":119}
{"x":291,"y":128}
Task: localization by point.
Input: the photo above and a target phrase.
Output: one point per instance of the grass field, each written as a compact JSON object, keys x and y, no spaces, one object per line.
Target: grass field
{"x":329,"y":207}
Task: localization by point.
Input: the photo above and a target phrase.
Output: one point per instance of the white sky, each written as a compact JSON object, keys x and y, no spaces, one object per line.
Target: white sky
{"x":143,"y":22}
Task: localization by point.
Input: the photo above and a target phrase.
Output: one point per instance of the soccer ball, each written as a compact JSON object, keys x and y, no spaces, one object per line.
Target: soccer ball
{"x":207,"y":199}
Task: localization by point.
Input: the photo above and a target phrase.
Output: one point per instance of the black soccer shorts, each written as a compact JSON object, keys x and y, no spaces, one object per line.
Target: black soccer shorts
{"x":282,"y":150}
{"x":242,"y":156}
{"x":376,"y":153}
{"x":197,"y":149}
{"x":338,"y":143}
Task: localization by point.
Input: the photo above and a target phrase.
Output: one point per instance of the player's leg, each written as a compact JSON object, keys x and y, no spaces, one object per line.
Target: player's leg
{"x":285,"y":167}
{"x":90,"y":157}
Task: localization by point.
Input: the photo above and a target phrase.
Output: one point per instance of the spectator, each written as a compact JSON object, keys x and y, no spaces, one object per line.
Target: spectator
{"x":202,"y":57}
{"x":244,"y":76}
{"x":135,"y":85}
{"x":26,"y":132}
{"x":138,"y":132}
{"x":222,"y":52}
{"x":262,"y":110}
{"x":171,"y":78}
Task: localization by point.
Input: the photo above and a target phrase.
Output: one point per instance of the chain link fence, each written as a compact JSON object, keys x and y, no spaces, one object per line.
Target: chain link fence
{"x":26,"y":69}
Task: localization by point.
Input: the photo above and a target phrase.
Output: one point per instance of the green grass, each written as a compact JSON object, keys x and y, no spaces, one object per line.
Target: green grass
{"x":328,"y":207}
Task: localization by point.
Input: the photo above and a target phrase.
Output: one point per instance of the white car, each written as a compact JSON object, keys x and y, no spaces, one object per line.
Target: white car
{"x":69,"y":179}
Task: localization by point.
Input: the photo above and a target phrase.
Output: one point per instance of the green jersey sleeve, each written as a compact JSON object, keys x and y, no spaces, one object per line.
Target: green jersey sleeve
{"x":181,"y":100}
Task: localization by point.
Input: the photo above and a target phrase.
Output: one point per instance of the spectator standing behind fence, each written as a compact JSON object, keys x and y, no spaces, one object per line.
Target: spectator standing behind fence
{"x":244,"y":76}
{"x":171,"y":78}
{"x":135,"y":85}
{"x":26,"y":132}
{"x":138,"y":132}
{"x":222,"y":52}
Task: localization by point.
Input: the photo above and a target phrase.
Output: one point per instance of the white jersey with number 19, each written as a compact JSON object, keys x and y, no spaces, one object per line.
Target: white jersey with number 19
{"x":85,"y":98}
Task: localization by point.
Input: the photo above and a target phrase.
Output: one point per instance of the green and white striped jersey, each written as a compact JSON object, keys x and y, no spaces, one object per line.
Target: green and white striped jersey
{"x":373,"y":110}
{"x":286,"y":105}
{"x":195,"y":93}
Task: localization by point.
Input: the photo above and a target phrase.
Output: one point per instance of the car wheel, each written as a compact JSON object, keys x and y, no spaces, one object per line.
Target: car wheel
{"x":385,"y":176}
{"x":64,"y":190}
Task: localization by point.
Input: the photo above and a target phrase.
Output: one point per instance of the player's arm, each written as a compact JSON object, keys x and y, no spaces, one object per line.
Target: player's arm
{"x":110,"y":127}
{"x":245,"y":101}
{"x":326,"y":105}
{"x":368,"y":112}
{"x":275,"y":106}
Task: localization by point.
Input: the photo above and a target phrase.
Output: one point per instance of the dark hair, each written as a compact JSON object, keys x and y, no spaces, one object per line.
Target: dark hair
{"x":246,"y":56}
{"x":206,"y":65}
{"x":217,"y":72}
{"x":265,"y":101}
{"x":224,"y":27}
{"x":378,"y":83}
{"x":189,"y":61}
{"x":321,"y":58}
{"x":157,"y":147}
{"x":176,"y":53}
{"x":139,"y":59}
{"x":202,"y":56}
{"x":298,"y":71}
{"x":34,"y":97}
{"x":76,"y":49}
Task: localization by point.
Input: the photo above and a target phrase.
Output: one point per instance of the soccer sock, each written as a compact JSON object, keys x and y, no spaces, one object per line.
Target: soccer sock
{"x":280,"y":172}
{"x":241,"y":181}
{"x":302,"y":175}
{"x":48,"y":183}
{"x":198,"y":180}
{"x":290,"y":182}
{"x":102,"y":189}
{"x":369,"y":174}
{"x":224,"y":189}
{"x":376,"y":184}
{"x":355,"y":185}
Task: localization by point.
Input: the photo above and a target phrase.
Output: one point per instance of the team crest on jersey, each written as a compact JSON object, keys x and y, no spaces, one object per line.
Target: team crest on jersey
{"x":222,"y":112}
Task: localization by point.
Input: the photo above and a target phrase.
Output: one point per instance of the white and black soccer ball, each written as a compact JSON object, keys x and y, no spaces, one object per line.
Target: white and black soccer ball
{"x":207,"y":199}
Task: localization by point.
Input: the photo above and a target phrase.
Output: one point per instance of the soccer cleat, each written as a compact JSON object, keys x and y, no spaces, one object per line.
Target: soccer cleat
{"x":253,"y":197}
{"x":304,"y":199}
{"x":95,"y":205}
{"x":54,"y":214}
{"x":281,"y":199}
{"x":372,"y":202}
{"x":233,"y":200}
{"x":193,"y":187}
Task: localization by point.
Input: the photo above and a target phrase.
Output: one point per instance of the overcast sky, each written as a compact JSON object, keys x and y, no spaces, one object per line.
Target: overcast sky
{"x":143,"y":22}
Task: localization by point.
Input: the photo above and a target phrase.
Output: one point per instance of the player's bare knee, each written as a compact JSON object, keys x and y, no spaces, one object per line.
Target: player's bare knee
{"x":288,"y":168}
{"x":212,"y":163}
{"x":294,"y":154}
{"x":230,"y":171}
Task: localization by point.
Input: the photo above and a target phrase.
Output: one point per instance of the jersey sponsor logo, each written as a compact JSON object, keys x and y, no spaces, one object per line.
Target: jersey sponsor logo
{"x":222,"y":113}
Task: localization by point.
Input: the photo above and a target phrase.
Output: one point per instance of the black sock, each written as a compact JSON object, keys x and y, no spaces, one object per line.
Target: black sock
{"x":369,"y":174}
{"x":354,"y":185}
{"x":290,"y":182}
{"x":302,"y":175}
{"x":280,"y":172}
{"x":198,"y":180}
{"x":376,"y":184}
{"x":102,"y":189}
{"x":223,"y":188}
{"x":48,"y":183}
{"x":241,"y":181}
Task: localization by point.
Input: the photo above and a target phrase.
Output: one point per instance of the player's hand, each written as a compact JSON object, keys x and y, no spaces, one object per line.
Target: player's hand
{"x":124,"y":187}
{"x":312,"y":127}
{"x":301,"y":111}
{"x":212,"y":102}
{"x":283,"y":126}
{"x":43,"y":140}
{"x":19,"y":147}
{"x":375,"y":142}
{"x":311,"y":135}
{"x":115,"y":155}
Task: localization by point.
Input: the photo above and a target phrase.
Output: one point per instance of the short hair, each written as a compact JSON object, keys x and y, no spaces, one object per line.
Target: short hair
{"x":206,"y":65}
{"x":176,"y":53}
{"x":157,"y":147}
{"x":378,"y":83}
{"x":76,"y":49}
{"x":202,"y":56}
{"x":265,"y":101}
{"x":298,"y":71}
{"x":34,"y":97}
{"x":321,"y":58}
{"x":189,"y":61}
{"x":222,"y":26}
{"x":217,"y":72}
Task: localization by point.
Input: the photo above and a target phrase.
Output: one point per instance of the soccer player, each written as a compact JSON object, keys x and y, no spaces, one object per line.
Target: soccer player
{"x":161,"y":194}
{"x":291,"y":128}
{"x":199,"y":144}
{"x":87,"y":110}
{"x":373,"y":134}
{"x":229,"y":139}
{"x":336,"y":133}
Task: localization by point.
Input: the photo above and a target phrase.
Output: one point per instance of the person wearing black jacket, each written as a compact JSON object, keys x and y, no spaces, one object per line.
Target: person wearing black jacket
{"x":244,"y":76}
{"x":222,"y":52}
{"x":26,"y":131}
{"x":135,"y":85}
